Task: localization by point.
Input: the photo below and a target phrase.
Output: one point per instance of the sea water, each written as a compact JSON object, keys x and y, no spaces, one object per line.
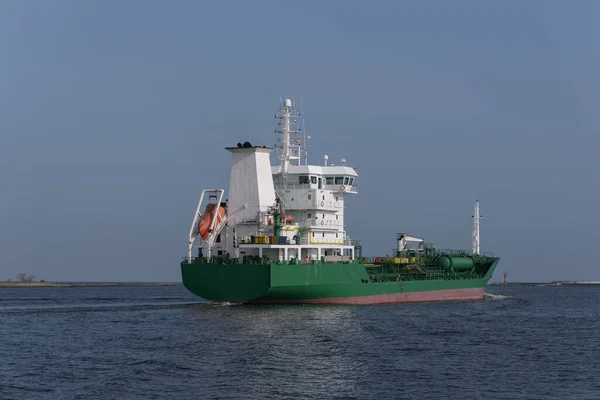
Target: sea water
{"x":164,"y":343}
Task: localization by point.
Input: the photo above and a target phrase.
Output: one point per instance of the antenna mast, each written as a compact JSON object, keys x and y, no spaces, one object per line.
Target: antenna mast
{"x":476,"y":217}
{"x":289,"y":130}
{"x":305,"y":152}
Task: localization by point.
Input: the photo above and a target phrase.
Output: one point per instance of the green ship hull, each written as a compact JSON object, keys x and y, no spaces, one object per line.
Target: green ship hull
{"x":351,"y":282}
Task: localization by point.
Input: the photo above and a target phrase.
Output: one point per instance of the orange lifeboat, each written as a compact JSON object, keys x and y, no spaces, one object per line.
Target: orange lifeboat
{"x":206,"y":219}
{"x":286,"y":218}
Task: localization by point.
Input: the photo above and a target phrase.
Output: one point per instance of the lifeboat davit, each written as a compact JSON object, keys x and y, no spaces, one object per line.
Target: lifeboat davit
{"x":206,"y":219}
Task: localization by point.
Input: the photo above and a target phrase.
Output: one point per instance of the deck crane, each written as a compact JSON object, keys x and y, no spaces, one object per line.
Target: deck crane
{"x":403,"y":240}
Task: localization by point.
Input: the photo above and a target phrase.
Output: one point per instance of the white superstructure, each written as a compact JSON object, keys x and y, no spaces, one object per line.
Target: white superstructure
{"x":309,"y":199}
{"x":251,"y":188}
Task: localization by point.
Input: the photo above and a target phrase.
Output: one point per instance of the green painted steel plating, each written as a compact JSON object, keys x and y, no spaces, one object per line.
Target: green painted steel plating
{"x":277,"y":223}
{"x":219,"y":279}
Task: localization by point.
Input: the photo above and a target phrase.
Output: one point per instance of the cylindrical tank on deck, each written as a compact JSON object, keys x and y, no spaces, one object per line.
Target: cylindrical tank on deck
{"x":456,"y":263}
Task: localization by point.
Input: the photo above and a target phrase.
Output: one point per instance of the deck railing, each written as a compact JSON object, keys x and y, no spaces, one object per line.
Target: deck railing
{"x":255,"y":260}
{"x":334,"y":187}
{"x":462,"y":252}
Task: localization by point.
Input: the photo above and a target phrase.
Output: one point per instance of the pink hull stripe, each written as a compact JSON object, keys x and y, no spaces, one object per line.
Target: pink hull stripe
{"x":436,"y":295}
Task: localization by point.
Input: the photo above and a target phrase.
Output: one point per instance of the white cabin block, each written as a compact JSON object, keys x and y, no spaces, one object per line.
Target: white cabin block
{"x":311,"y":203}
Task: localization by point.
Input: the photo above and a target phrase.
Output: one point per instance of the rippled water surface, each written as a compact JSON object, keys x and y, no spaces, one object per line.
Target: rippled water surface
{"x":161,"y":342}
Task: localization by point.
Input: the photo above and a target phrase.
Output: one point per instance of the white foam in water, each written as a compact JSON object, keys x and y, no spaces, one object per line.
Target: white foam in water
{"x":222,"y":304}
{"x":490,"y":296}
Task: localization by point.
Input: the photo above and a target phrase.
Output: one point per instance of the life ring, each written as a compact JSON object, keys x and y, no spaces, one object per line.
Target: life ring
{"x":342,"y":188}
{"x":322,"y":222}
{"x":322,"y":203}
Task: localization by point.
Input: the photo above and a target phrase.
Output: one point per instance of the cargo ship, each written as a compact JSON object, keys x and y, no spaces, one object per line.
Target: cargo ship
{"x":279,"y":237}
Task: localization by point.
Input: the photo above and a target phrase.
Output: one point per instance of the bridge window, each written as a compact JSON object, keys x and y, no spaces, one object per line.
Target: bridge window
{"x":351,"y":181}
{"x":339,"y":180}
{"x":329,"y":180}
{"x":302,"y":179}
{"x":346,"y":180}
{"x":313,"y":180}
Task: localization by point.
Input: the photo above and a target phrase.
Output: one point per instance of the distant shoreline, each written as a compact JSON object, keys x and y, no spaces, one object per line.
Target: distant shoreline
{"x":81,"y":284}
{"x":553,"y":283}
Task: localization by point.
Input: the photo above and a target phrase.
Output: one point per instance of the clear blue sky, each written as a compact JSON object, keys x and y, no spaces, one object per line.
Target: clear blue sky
{"x":114,"y":116}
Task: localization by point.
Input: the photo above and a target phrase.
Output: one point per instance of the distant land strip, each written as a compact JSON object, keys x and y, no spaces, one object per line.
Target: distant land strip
{"x":82,"y":284}
{"x":553,"y":283}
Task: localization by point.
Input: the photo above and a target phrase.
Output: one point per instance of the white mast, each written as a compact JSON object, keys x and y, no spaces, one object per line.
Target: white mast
{"x":290,"y":141}
{"x":285,"y":151}
{"x":476,"y":218}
